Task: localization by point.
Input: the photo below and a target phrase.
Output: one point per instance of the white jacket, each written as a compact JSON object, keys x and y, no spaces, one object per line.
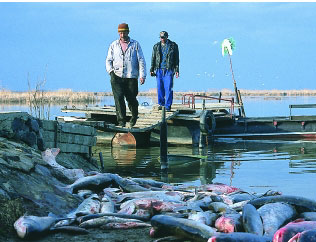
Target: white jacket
{"x":130,"y":64}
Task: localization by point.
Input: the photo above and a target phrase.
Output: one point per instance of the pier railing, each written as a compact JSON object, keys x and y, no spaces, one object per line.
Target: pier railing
{"x":190,"y":100}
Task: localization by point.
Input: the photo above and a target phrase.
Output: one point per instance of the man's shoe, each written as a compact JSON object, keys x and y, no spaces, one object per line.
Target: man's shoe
{"x":132,"y":122}
{"x":159,"y":107}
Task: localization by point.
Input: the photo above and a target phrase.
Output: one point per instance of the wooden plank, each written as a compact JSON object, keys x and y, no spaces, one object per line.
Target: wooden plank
{"x":69,"y":148}
{"x":49,"y":136}
{"x":302,"y":106}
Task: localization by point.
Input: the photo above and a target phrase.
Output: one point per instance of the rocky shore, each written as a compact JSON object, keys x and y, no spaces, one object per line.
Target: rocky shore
{"x":28,"y":185}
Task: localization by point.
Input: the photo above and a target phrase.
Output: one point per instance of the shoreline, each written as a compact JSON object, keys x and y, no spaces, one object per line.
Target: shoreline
{"x":69,"y":96}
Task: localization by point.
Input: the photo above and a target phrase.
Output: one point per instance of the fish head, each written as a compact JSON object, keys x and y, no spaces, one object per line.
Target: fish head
{"x":21,"y":227}
{"x":213,"y":239}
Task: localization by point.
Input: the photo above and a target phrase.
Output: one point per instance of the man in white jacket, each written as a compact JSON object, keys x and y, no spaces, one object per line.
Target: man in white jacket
{"x":125,"y":63}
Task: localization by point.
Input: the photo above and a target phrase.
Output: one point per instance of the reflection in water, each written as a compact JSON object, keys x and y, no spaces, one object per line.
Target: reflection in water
{"x":254,"y":166}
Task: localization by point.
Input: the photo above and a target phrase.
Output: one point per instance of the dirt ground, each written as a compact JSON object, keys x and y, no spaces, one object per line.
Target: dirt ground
{"x":131,"y":235}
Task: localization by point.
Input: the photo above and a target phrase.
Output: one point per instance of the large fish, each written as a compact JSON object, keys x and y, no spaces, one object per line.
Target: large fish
{"x":251,"y":220}
{"x":229,"y":223}
{"x":239,"y":237}
{"x":148,"y":182}
{"x":98,"y":222}
{"x":128,"y":185}
{"x":169,"y":196}
{"x":90,"y":205}
{"x":107,"y":205}
{"x":149,"y":203}
{"x":125,"y":225}
{"x":306,"y":204}
{"x":305,"y":236}
{"x":220,"y":188}
{"x":308,"y":216}
{"x":206,"y":217}
{"x":49,"y":155}
{"x":186,"y":228}
{"x":95,"y":182}
{"x":274,"y":215}
{"x":285,"y":233}
{"x":98,"y":215}
{"x":33,"y":226}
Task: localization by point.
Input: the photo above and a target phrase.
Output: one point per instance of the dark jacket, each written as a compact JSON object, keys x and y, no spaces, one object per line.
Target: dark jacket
{"x":172,"y":57}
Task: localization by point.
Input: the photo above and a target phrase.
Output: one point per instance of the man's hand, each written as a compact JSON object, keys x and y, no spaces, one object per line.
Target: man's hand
{"x":177,"y":74}
{"x":141,"y":80}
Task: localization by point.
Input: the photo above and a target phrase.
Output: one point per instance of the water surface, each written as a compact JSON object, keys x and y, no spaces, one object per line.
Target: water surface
{"x":256,"y":166}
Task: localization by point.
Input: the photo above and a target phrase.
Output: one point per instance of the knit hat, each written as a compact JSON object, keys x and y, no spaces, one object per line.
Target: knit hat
{"x":163,"y":34}
{"x":123,"y":27}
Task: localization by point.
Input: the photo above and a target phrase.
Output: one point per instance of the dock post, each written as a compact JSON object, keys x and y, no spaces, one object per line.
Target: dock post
{"x":101,"y":161}
{"x":163,"y":141}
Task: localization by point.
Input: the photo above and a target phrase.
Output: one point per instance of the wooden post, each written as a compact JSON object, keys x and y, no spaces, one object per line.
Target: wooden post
{"x":101,"y":161}
{"x":163,"y":141}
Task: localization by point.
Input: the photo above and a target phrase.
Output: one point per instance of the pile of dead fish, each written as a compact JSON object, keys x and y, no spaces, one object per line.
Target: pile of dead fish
{"x":212,"y":212}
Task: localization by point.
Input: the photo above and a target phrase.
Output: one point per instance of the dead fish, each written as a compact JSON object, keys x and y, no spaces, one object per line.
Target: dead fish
{"x":90,"y":205}
{"x":148,"y":182}
{"x":220,"y":188}
{"x":125,"y":225}
{"x":308,"y":216}
{"x":96,"y":182}
{"x":84,"y":193}
{"x":251,"y":220}
{"x":98,"y":215}
{"x":70,"y":230}
{"x":33,"y":226}
{"x":285,"y":233}
{"x":239,"y":205}
{"x":229,"y":223}
{"x":149,"y":203}
{"x":206,"y":217}
{"x":98,"y":222}
{"x":71,"y":174}
{"x":239,"y":237}
{"x":305,"y":236}
{"x":203,"y":203}
{"x":219,"y":207}
{"x":306,"y":204}
{"x":185,"y":228}
{"x":169,"y":196}
{"x":239,"y":197}
{"x":107,"y":205}
{"x":49,"y":155}
{"x":128,"y":185}
{"x":274,"y":215}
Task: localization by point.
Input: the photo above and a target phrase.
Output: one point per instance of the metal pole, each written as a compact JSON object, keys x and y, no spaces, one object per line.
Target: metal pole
{"x":101,"y":161}
{"x":163,"y":140}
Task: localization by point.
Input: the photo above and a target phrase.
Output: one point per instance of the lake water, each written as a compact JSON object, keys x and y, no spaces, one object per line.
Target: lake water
{"x":256,"y":166}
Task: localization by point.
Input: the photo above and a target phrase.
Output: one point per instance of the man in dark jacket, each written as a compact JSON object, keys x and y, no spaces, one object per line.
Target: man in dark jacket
{"x":164,"y":65}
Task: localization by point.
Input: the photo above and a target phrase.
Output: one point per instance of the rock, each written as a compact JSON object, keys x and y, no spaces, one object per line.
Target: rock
{"x":24,"y":174}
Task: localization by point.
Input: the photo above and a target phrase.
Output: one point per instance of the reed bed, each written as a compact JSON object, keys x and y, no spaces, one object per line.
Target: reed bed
{"x":63,"y":96}
{"x":67,"y":96}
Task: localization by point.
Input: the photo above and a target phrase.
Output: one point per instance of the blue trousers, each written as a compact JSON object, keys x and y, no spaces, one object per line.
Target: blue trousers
{"x":164,"y":79}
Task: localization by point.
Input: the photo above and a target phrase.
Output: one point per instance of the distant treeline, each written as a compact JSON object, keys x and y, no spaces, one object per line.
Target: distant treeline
{"x":67,"y":96}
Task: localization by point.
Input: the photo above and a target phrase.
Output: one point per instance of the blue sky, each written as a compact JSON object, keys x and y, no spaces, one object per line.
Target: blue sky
{"x":68,"y":42}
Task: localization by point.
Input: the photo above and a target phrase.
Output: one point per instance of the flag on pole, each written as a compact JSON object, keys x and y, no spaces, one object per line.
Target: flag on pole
{"x":228,"y":45}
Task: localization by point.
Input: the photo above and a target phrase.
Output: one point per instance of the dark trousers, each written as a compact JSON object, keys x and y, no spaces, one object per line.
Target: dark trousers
{"x":125,"y":88}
